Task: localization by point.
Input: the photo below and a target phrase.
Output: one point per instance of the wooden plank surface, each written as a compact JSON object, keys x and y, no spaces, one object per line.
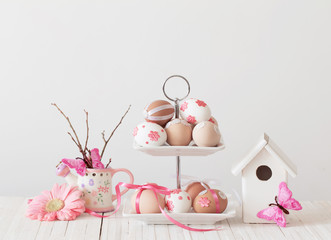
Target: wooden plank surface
{"x":313,"y":222}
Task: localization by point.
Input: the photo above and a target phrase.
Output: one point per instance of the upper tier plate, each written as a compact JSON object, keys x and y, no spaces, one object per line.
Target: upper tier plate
{"x":166,"y":150}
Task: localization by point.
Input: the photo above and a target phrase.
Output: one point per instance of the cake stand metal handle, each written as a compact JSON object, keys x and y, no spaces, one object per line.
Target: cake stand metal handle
{"x":176,"y":101}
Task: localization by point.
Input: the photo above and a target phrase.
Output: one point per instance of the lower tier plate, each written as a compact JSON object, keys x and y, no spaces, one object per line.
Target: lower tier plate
{"x":184,"y":218}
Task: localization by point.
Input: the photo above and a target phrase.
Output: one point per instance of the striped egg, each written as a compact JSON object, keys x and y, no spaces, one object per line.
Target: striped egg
{"x":159,"y":111}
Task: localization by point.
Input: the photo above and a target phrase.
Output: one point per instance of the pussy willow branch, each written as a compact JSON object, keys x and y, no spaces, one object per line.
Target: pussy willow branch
{"x":103,"y":133}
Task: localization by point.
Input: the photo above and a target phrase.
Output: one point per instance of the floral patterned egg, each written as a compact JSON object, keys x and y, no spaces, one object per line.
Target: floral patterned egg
{"x":194,"y":111}
{"x":178,"y":201}
{"x":149,"y":134}
{"x":195,"y":188}
{"x":210,"y":201}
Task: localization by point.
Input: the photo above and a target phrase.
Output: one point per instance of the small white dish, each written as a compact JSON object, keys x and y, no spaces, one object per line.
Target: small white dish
{"x":184,"y":218}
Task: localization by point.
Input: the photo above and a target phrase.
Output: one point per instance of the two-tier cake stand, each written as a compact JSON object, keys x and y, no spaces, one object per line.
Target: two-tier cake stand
{"x":178,"y":151}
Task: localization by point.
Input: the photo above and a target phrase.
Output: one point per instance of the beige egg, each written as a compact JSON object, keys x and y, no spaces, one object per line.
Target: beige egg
{"x":206,"y":134}
{"x":195,"y":188}
{"x":147,"y":202}
{"x":179,"y":132}
{"x":206,"y":201}
{"x":159,"y":111}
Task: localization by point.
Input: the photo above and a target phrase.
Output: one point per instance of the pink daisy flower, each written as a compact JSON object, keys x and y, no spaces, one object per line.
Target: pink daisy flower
{"x":135,"y":131}
{"x":211,"y":120}
{"x":170,"y":205}
{"x":183,"y":107}
{"x":176,"y":191}
{"x":201,"y":103}
{"x":154,"y":136}
{"x":204,"y":202}
{"x":61,"y":203}
{"x":191,"y":119}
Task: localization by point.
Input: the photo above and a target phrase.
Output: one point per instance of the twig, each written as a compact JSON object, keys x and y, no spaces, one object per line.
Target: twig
{"x":103,"y":133}
{"x":108,"y":163}
{"x":103,"y":136}
{"x":87,"y":130}
{"x":73,"y":139}
{"x":76,"y":141}
{"x":72,"y":128}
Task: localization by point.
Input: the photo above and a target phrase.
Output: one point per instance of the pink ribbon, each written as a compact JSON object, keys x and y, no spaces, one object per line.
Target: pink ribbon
{"x":138,"y":200}
{"x":217,"y":202}
{"x":95,"y":214}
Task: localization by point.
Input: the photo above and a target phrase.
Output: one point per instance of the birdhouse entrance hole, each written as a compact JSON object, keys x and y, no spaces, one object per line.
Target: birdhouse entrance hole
{"x":263,"y":173}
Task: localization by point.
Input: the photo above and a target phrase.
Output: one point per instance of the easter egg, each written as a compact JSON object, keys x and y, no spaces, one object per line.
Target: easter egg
{"x":149,"y":134}
{"x":178,"y":201}
{"x":159,"y":111}
{"x":210,"y":201}
{"x":147,"y":202}
{"x":179,"y":132}
{"x":195,"y":188}
{"x":194,"y":111}
{"x":206,"y":134}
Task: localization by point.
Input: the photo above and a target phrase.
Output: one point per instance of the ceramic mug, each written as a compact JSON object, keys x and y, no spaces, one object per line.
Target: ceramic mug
{"x":96,"y":186}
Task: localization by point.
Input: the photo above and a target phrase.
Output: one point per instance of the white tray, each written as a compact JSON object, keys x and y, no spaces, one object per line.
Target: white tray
{"x":166,"y":150}
{"x":184,"y":218}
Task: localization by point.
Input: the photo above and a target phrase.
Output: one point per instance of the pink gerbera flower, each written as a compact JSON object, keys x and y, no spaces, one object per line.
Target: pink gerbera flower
{"x":61,"y":203}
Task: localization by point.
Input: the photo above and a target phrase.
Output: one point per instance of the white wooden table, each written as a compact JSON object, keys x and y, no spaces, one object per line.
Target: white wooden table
{"x":313,"y":222}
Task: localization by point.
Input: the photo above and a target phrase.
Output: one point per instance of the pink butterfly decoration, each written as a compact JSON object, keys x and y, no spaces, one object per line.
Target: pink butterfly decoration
{"x":284,"y":201}
{"x":76,"y":164}
{"x":79,"y":164}
{"x":95,"y":156}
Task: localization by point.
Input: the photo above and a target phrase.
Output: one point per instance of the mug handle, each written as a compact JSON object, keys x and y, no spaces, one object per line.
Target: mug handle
{"x":114,"y":171}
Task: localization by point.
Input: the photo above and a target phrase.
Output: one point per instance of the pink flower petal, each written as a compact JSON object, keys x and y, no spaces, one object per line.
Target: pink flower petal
{"x":73,"y":204}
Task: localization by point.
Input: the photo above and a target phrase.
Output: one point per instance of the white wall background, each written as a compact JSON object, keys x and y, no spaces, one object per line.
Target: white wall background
{"x":260,"y":65}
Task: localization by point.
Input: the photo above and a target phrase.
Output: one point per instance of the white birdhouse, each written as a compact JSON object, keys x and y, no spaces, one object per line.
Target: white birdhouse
{"x":263,"y":169}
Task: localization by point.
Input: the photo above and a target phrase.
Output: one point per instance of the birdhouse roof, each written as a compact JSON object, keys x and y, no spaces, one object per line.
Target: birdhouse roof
{"x":274,"y":151}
